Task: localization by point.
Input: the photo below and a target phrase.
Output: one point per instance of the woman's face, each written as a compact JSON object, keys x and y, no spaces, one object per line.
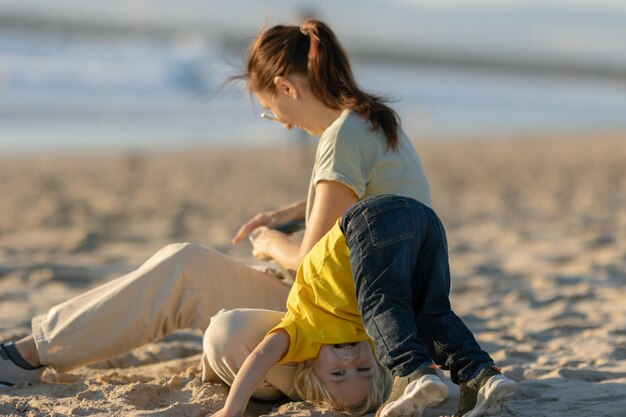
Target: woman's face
{"x":288,"y":103}
{"x":347,"y":371}
{"x":280,"y":107}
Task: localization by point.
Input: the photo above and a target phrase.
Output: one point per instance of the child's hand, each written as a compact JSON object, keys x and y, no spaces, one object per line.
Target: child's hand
{"x":252,"y":372}
{"x":224,"y":413}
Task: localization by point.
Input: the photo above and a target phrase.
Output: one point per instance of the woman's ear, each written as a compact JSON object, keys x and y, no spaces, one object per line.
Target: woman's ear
{"x":285,"y":85}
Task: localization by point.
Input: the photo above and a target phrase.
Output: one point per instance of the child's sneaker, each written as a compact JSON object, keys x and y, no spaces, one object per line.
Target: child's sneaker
{"x":14,"y":369}
{"x":414,"y":392}
{"x":485,"y":393}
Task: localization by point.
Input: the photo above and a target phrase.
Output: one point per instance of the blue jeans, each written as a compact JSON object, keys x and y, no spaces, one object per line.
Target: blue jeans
{"x":399,"y":259}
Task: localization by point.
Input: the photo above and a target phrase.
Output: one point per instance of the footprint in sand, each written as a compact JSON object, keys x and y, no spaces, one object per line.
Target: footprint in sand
{"x":619,"y":351}
{"x":562,"y":280}
{"x":513,"y":357}
{"x":570,"y":314}
{"x":615,"y":274}
{"x":589,"y":375}
{"x":531,"y":390}
{"x":89,"y":242}
{"x":564,"y":330}
{"x":586,"y":294}
{"x":600,"y":241}
{"x":143,"y":395}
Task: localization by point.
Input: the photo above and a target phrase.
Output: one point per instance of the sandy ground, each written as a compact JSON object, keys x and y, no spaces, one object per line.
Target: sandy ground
{"x":536,"y":230}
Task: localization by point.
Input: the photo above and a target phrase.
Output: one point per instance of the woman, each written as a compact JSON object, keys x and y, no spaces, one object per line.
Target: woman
{"x":301,"y":77}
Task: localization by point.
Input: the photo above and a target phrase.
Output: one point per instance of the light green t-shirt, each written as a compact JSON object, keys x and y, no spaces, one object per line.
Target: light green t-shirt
{"x":352,"y":154}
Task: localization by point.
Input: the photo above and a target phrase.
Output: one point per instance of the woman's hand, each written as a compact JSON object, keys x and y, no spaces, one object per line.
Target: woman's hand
{"x":261,"y":239}
{"x":332,"y":199}
{"x":261,"y":219}
{"x":270,"y":219}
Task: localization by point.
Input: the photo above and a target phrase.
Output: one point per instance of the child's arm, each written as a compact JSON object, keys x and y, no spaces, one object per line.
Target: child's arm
{"x":254,"y":368}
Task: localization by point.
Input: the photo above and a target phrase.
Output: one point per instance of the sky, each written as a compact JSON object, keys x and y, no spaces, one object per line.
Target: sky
{"x":547,"y":29}
{"x":126,"y":85}
{"x":494,"y":4}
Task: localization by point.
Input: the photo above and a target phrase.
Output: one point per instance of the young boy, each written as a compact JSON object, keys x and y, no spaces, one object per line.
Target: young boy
{"x":399,"y":259}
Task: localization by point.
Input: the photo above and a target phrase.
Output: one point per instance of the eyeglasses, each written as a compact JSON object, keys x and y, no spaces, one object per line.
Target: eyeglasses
{"x":269,"y":115}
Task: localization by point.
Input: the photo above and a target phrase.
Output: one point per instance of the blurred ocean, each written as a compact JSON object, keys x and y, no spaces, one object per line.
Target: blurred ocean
{"x":78,"y":88}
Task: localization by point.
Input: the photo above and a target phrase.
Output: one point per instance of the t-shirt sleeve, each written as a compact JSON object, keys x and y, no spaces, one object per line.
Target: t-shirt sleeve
{"x":299,"y":350}
{"x":340,"y":159}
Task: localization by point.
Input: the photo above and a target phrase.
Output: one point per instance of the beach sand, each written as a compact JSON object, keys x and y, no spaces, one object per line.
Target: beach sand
{"x":536,"y":231}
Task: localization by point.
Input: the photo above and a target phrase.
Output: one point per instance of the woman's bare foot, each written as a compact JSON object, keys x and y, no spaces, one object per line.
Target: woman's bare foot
{"x":19,"y":365}
{"x":28,"y":349}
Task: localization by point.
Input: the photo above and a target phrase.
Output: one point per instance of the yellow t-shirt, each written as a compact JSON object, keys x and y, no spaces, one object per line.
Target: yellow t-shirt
{"x":322,"y":306}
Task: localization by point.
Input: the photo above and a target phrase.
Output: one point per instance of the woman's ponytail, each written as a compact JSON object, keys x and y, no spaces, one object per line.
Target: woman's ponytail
{"x":313,"y":50}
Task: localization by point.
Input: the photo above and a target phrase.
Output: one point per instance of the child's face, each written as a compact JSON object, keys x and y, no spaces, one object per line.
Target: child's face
{"x":347,"y":371}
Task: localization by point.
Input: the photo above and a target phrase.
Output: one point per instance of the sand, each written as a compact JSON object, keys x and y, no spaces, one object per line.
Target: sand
{"x":536,"y":230}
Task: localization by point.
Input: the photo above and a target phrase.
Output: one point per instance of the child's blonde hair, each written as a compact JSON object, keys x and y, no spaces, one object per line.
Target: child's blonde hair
{"x":311,"y":389}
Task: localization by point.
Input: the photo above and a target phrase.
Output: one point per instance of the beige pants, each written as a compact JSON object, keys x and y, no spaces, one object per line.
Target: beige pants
{"x":230,"y":338}
{"x":181,"y":286}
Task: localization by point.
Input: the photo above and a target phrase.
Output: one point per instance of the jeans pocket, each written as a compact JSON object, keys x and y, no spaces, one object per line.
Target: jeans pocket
{"x":390,"y":223}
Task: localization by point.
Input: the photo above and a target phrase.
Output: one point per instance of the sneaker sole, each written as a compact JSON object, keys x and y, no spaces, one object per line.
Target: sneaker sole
{"x":425,"y":392}
{"x":491,"y":396}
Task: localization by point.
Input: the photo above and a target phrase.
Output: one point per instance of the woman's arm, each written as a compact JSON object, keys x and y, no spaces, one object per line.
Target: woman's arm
{"x":332,"y":199}
{"x":257,"y":364}
{"x":271,"y":218}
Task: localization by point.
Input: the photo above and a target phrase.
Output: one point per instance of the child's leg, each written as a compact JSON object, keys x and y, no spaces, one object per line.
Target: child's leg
{"x":451,"y":344}
{"x":399,"y":261}
{"x":231,"y":337}
{"x":181,"y":286}
{"x":384,"y":241}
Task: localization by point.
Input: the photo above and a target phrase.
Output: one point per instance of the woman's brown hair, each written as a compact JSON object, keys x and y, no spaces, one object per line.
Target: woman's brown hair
{"x":314,"y":51}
